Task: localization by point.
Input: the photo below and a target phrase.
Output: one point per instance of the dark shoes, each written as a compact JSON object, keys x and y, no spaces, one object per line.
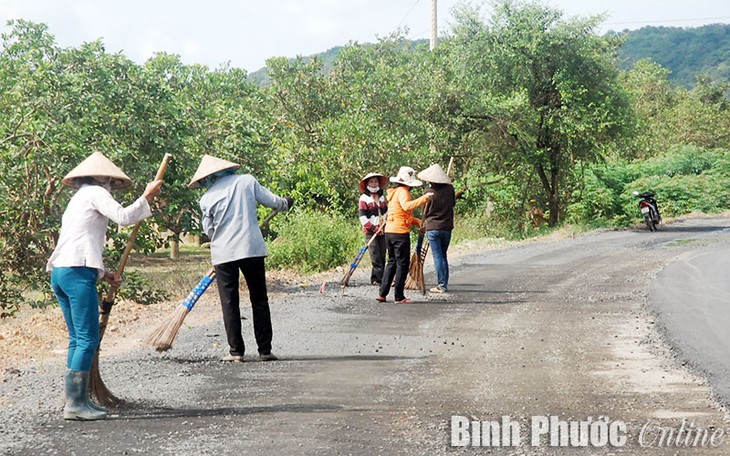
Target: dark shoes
{"x":232,"y":358}
{"x":239,"y":358}
{"x":268,"y":357}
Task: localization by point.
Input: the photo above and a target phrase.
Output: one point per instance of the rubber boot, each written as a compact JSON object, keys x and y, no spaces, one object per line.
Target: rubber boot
{"x":77,"y":398}
{"x":96,"y":406}
{"x":93,"y":404}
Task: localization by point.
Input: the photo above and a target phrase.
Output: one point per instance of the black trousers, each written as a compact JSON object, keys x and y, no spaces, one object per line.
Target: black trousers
{"x":377,"y":257}
{"x":399,"y":260}
{"x":254,"y":273}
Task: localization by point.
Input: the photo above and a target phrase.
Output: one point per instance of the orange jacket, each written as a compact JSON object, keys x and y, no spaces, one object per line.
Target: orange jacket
{"x":400,"y":210}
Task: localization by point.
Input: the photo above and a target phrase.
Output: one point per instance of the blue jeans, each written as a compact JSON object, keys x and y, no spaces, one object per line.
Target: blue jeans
{"x":75,"y":289}
{"x":439,"y":241}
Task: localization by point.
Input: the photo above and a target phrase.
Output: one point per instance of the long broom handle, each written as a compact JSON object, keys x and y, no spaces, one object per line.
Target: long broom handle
{"x":112,"y":293}
{"x":359,"y":256}
{"x":265,"y":222}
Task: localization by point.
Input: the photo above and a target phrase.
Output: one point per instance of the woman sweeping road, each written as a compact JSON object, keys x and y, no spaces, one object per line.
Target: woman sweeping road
{"x":397,"y":232}
{"x":372,"y":210}
{"x":76,"y":265}
{"x":439,"y":221}
{"x":228,"y":209}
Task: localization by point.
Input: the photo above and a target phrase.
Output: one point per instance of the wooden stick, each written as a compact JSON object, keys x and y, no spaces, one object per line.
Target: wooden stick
{"x":96,"y":384}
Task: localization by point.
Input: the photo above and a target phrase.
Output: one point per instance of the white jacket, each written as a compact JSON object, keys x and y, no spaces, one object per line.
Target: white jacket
{"x":84,"y":223}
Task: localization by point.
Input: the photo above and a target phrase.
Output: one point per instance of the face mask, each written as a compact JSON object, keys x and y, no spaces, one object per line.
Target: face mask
{"x":206,"y":182}
{"x":373,"y":189}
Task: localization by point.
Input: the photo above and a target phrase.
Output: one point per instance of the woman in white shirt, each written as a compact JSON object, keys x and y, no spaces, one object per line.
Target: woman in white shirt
{"x":76,"y":265}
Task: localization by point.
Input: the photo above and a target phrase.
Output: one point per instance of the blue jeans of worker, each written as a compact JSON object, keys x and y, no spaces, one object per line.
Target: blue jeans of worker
{"x":439,"y":241}
{"x":75,"y":289}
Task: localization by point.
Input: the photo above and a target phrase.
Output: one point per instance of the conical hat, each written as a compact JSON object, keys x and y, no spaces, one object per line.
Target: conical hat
{"x":406,"y":176}
{"x":434,"y":174}
{"x":382,"y":179}
{"x":210,"y":165}
{"x":97,"y":165}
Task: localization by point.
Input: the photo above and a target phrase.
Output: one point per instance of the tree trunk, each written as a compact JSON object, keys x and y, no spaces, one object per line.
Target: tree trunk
{"x":174,"y":249}
{"x":551,"y":187}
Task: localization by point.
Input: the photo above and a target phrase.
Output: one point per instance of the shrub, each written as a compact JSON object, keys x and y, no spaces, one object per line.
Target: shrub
{"x":312,"y":241}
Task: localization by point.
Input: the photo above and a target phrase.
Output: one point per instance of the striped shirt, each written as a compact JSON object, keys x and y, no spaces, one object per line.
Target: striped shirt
{"x":367,"y":210}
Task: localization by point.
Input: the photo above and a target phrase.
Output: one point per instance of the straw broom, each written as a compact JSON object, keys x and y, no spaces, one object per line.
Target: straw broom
{"x":97,"y":388}
{"x":166,"y":332}
{"x":415,"y":280}
{"x":163,"y":337}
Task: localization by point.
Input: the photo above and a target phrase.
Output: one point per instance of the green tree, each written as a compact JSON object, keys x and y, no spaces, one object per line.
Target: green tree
{"x":542,"y":88}
{"x":669,"y":115}
{"x":30,"y":102}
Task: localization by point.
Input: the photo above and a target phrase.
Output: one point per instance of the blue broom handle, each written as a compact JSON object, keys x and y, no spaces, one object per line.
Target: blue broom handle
{"x":198,"y":291}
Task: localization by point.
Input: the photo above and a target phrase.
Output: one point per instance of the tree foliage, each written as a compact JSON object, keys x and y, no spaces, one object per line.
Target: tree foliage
{"x":533,"y":107}
{"x":544,"y":90}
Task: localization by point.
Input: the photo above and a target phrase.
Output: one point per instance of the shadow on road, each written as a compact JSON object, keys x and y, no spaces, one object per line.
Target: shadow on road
{"x":146,"y":412}
{"x":348,"y":358}
{"x":684,"y":229}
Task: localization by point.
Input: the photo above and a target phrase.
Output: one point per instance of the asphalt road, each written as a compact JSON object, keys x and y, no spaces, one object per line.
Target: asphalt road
{"x":691,"y":298}
{"x":557,"y":330}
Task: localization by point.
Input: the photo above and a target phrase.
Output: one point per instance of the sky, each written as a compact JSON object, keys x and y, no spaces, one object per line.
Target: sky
{"x":245,"y":33}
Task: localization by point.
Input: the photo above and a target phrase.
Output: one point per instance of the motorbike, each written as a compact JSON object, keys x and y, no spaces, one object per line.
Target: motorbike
{"x":649,"y":210}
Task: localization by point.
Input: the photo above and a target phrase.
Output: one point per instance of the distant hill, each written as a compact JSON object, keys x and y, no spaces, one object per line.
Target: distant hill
{"x":686,"y":52}
{"x":261,"y":76}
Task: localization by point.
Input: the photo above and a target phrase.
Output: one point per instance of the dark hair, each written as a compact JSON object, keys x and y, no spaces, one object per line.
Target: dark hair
{"x":89,"y":180}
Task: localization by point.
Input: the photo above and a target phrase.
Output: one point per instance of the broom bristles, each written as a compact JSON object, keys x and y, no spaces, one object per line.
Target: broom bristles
{"x":98,"y":389}
{"x":414,"y":281}
{"x":166,"y":332}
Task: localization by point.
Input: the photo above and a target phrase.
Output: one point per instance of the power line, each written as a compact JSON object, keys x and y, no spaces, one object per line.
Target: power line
{"x":408,"y":13}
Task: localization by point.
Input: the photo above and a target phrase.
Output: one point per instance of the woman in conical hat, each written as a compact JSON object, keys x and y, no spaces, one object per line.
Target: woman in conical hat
{"x":236,"y":244}
{"x":76,"y":265}
{"x":372,"y":210}
{"x":397,"y":232}
{"x":439,"y":221}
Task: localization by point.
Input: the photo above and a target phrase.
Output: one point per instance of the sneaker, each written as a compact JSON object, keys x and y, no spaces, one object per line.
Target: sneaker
{"x":232,"y":359}
{"x":438,"y":289}
{"x":381,"y":299}
{"x":268,"y":357}
{"x":404,"y":301}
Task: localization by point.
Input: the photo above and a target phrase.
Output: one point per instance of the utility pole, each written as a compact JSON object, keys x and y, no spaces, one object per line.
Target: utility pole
{"x":434,"y":26}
